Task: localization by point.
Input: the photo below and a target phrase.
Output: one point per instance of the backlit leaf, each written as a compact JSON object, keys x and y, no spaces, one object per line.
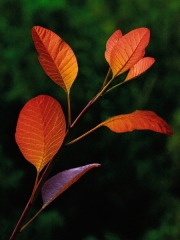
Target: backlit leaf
{"x":141,"y":66}
{"x":40,"y":130}
{"x":56,"y":57}
{"x":128,"y":50}
{"x":111,"y":42}
{"x":138,"y":120}
{"x":57,"y":184}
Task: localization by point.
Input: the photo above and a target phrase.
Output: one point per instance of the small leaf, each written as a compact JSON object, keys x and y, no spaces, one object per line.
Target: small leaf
{"x":111,"y":42}
{"x":56,"y":57}
{"x":40,"y":130}
{"x":128,"y":50}
{"x":57,"y":184}
{"x":140,"y":67}
{"x":138,"y":120}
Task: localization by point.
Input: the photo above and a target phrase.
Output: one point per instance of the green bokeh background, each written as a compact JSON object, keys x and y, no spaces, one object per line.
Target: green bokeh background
{"x":135,"y":195}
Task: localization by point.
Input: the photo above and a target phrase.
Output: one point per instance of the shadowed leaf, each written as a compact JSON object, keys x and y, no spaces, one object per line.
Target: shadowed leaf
{"x":54,"y":186}
{"x":128,"y":50}
{"x":138,"y":120}
{"x":56,"y":57}
{"x":40,"y":130}
{"x":111,"y":42}
{"x":140,"y":67}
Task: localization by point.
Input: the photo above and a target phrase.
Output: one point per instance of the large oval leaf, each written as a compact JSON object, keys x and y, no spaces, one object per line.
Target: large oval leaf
{"x":111,"y":42}
{"x":57,"y":184}
{"x":128,"y":50}
{"x":40,"y":130}
{"x":138,"y":120}
{"x":140,"y":67}
{"x":56,"y":57}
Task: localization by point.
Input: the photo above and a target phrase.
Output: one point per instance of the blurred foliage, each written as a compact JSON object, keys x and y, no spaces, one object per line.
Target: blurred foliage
{"x":136,"y":192}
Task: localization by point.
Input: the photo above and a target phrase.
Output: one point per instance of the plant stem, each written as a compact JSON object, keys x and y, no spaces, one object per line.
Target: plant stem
{"x":20,"y":222}
{"x":33,"y":197}
{"x":105,"y":80}
{"x":81,"y":113}
{"x":24,"y":213}
{"x":35,"y":186}
{"x":85,"y":134}
{"x":31,"y":220}
{"x":117,"y":85}
{"x":102,"y":91}
{"x":92,"y":101}
{"x":69,"y":109}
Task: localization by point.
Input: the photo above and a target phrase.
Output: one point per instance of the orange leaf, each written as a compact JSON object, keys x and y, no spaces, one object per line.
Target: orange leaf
{"x":111,"y":43}
{"x":40,"y":130}
{"x":139,"y":67}
{"x":128,"y":50}
{"x":138,"y":120}
{"x":56,"y":57}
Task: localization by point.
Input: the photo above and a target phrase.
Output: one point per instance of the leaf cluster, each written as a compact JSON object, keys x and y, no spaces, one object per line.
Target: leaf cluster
{"x":41,"y":128}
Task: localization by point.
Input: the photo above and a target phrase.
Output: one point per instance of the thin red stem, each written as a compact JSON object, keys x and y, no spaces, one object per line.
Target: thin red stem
{"x":81,"y":113}
{"x":106,"y":79}
{"x":17,"y":229}
{"x":69,"y":110}
{"x":91,"y":102}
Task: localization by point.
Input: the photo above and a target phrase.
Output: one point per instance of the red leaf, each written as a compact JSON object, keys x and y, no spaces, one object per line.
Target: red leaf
{"x":56,"y":57}
{"x":128,"y":50}
{"x":138,"y":120}
{"x":140,"y":67}
{"x":111,"y":43}
{"x":54,"y":186}
{"x":40,"y":130}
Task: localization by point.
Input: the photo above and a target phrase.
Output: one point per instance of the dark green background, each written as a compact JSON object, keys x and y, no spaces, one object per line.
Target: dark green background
{"x":135,"y":195}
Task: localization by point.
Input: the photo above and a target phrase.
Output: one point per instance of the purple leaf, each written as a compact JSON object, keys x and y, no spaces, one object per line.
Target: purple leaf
{"x":57,"y":184}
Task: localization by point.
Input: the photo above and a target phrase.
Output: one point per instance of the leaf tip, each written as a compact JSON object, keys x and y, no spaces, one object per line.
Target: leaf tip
{"x":169,"y":131}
